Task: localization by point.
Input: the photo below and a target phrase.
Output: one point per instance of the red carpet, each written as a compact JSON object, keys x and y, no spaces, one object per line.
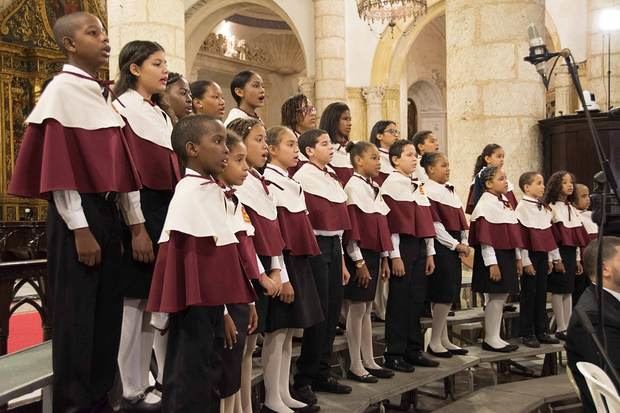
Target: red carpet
{"x":24,"y":331}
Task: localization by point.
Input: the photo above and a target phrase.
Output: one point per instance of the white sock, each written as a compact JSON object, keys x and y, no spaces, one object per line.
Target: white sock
{"x":354,"y":336}
{"x":567,"y":302}
{"x":285,"y":372}
{"x":135,"y":347}
{"x":557,"y":303}
{"x":246,"y":373}
{"x":160,"y":344}
{"x":272,"y":364}
{"x":227,"y":405}
{"x":440,"y":316}
{"x":368,"y":356}
{"x":445,"y":339}
{"x":493,"y":320}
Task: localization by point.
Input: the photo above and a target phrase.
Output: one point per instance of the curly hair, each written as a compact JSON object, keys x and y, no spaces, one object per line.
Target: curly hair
{"x":291,"y":110}
{"x":243,"y":126}
{"x":554,"y":187}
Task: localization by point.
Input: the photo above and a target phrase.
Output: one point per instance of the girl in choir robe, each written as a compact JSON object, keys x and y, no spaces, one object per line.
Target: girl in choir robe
{"x":492,"y":155}
{"x":539,"y":253}
{"x":260,"y":205}
{"x":239,"y":319}
{"x":424,"y":142}
{"x":496,"y":236}
{"x":368,"y":244}
{"x":142,"y":79}
{"x":582,"y":203}
{"x":299,"y":115}
{"x":411,"y":225}
{"x":570,"y":235}
{"x":450,"y":245}
{"x":198,"y":268}
{"x":249,"y":93}
{"x":177,"y":98}
{"x":383,"y":135}
{"x":75,"y":156}
{"x":300,"y":244}
{"x":336,"y":120}
{"x":208,"y":99}
{"x":326,"y":202}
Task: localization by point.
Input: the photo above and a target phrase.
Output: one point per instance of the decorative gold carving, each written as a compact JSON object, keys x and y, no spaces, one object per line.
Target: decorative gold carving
{"x":241,"y":50}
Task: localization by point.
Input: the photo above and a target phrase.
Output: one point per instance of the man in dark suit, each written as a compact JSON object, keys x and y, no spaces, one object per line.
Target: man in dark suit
{"x":579,"y":344}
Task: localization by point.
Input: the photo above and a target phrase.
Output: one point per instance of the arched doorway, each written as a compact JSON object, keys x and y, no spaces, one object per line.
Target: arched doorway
{"x":430,"y":109}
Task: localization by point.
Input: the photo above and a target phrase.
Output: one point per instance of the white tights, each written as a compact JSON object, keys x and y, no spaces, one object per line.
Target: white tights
{"x":493,"y":319}
{"x":562,"y":305}
{"x":359,"y":337}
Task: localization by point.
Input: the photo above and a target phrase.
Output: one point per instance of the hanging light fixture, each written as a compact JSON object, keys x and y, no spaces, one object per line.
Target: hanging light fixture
{"x":390,"y":11}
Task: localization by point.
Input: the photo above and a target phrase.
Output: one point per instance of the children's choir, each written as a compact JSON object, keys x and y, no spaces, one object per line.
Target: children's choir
{"x":169,"y":233}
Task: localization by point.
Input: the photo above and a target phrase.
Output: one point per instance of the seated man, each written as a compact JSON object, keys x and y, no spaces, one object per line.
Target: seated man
{"x":579,"y":344}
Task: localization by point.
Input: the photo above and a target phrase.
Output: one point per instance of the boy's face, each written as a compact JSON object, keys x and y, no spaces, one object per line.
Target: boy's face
{"x":407,"y":161}
{"x":237,"y":168}
{"x":323,"y":152}
{"x":535,"y":189}
{"x":583,"y":197}
{"x":89,"y":44}
{"x":210,"y":154}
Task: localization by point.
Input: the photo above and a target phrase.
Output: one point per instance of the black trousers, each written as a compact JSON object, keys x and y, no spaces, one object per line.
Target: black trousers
{"x":318,"y":340}
{"x":87,"y":308}
{"x":533,"y":297}
{"x":405,"y":304}
{"x":191,"y":358}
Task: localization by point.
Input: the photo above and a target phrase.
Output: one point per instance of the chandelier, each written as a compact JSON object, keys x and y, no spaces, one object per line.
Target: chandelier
{"x":390,"y":11}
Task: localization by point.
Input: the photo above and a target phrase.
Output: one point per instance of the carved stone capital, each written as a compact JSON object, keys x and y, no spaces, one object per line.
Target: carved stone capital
{"x":374,"y":95}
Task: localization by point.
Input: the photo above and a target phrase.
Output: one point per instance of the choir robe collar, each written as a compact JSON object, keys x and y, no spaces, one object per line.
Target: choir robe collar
{"x":198,"y":208}
{"x":566,"y":214}
{"x":286,"y":191}
{"x":530,"y":215}
{"x":239,"y":220}
{"x":494,"y":210}
{"x":404,"y":188}
{"x":590,"y":226}
{"x":365,"y":195}
{"x":420,"y":172}
{"x":75,"y":102}
{"x":441,"y":194}
{"x":341,"y":157}
{"x":252,"y":194}
{"x":146,"y":120}
{"x":320,"y":183}
{"x":384,"y":157}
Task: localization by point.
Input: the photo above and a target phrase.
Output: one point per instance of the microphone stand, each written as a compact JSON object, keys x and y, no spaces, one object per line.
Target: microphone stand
{"x":610,"y":183}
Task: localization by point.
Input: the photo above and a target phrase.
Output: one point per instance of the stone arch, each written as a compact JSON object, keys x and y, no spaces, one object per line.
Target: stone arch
{"x":202,"y":16}
{"x":430,"y":107}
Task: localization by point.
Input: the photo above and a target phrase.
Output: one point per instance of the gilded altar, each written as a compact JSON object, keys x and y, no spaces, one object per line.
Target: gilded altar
{"x":28,"y":58}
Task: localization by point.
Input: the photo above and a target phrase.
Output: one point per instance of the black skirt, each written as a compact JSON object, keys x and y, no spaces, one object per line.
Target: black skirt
{"x":352,"y":291}
{"x":559,"y":283}
{"x":481,"y":281}
{"x":305,"y":311}
{"x":230,"y":376}
{"x":262,"y":301}
{"x":136,"y":276}
{"x":444,"y":285}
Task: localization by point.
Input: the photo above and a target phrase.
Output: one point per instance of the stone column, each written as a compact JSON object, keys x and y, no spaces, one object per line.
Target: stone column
{"x":597,"y":65}
{"x":493,"y":96}
{"x":305,"y":85}
{"x":374,"y":99}
{"x":329,"y":32}
{"x":564,"y":91}
{"x":162,"y":21}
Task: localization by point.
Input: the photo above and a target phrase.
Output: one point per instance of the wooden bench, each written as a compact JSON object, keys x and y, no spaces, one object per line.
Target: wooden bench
{"x":516,"y":397}
{"x":26,"y":371}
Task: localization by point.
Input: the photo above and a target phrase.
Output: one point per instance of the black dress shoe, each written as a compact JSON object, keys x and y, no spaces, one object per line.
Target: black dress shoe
{"x":421,"y":360}
{"x":505,"y":349}
{"x":381,"y":373}
{"x":530,"y":341}
{"x":311,"y":408}
{"x":561,"y":335}
{"x":304,"y":394}
{"x":367,"y":378}
{"x":266,"y":409}
{"x":139,"y":405}
{"x":547,"y":339}
{"x":398,"y":364}
{"x":440,"y":354}
{"x":458,"y":351}
{"x":331,"y":385}
{"x":510,"y":308}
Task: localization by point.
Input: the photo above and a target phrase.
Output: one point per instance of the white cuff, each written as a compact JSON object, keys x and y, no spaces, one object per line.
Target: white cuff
{"x":395,"y":253}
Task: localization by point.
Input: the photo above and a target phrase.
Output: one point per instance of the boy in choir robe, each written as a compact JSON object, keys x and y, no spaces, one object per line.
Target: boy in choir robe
{"x":497,"y":239}
{"x":327,"y":208}
{"x":411,"y":225}
{"x":538,"y":256}
{"x":75,"y":156}
{"x":198,"y":268}
{"x":424,"y":142}
{"x":582,"y":203}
